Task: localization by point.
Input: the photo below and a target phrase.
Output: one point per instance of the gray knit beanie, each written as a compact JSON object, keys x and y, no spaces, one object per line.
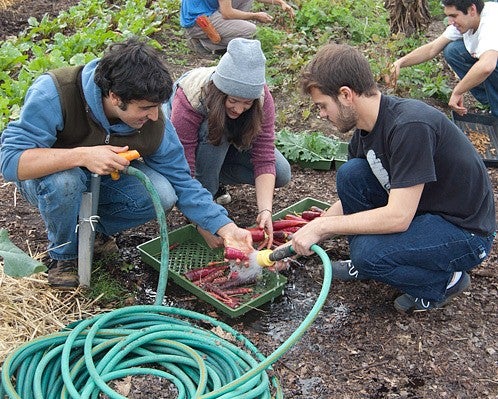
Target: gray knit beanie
{"x":241,"y":70}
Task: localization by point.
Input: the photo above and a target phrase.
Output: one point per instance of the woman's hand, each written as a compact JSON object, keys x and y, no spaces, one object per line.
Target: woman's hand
{"x":264,"y":221}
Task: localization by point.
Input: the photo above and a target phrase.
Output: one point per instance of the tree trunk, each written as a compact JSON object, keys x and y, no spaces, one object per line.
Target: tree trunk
{"x":407,"y":16}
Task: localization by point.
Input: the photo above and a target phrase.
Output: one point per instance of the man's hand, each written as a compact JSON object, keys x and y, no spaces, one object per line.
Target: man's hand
{"x":236,"y":237}
{"x":391,"y":78}
{"x":456,"y":104}
{"x":288,"y":9}
{"x":211,"y":240}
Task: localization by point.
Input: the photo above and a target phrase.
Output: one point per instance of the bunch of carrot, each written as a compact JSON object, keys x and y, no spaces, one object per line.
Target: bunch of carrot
{"x":218,"y":280}
{"x":221,"y":282}
{"x":285,"y":227}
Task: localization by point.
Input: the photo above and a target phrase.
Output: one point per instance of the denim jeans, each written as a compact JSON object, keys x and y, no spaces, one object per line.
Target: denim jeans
{"x":461,"y":61}
{"x":419,"y":261}
{"x":215,"y":164}
{"x":123,"y":204}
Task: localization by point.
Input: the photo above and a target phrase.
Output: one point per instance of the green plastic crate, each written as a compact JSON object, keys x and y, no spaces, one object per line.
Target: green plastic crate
{"x":190,"y":251}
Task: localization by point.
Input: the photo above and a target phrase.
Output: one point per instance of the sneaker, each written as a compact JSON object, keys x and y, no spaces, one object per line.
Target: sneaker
{"x":222,"y":197}
{"x":104,"y":245}
{"x":408,"y":304}
{"x":63,"y":273}
{"x":344,"y":270}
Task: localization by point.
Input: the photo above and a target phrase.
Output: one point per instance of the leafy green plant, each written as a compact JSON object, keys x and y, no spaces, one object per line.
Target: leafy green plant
{"x":74,"y":37}
{"x":306,"y":146}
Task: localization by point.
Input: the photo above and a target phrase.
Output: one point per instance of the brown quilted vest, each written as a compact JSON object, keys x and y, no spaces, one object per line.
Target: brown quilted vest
{"x":80,"y":130}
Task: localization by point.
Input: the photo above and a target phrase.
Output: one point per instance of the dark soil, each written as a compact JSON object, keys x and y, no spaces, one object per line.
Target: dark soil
{"x":359,"y":346}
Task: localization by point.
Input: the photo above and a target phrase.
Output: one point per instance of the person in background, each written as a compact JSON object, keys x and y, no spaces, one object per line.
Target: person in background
{"x":225,"y":119}
{"x":415,"y":198}
{"x":230,"y":18}
{"x":74,"y":122}
{"x":470,"y":46}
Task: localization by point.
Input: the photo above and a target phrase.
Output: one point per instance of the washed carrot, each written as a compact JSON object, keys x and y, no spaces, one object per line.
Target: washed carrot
{"x":315,"y":208}
{"x":130,"y":156}
{"x":257,"y":234}
{"x":234,"y":254}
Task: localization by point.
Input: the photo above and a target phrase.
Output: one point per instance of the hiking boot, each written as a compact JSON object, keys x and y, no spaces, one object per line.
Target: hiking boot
{"x":344,"y":270}
{"x":63,"y":273}
{"x":196,"y":46}
{"x":409,"y":304}
{"x":104,"y":245}
{"x":222,"y":197}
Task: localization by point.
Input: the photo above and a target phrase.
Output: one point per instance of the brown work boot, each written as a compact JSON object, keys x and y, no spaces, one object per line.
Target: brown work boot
{"x":197,"y":47}
{"x":63,"y":274}
{"x":104,"y":246}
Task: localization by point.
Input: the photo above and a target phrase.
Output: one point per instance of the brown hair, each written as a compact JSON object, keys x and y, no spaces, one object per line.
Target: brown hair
{"x":335,"y":66}
{"x":239,"y":132}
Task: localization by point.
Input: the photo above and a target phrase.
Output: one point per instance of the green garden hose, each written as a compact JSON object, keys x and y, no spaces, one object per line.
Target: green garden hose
{"x":166,"y":342}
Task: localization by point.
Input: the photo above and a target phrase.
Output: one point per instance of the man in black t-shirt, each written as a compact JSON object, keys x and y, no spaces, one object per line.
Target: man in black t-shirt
{"x":415,"y":198}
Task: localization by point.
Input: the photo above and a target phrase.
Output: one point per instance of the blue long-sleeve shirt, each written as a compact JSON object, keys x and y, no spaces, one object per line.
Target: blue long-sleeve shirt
{"x":41,"y":118}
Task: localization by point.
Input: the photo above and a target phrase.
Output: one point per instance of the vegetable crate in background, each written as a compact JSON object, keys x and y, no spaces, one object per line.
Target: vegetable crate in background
{"x":482,"y":130}
{"x":189,"y":251}
{"x":312,"y":150}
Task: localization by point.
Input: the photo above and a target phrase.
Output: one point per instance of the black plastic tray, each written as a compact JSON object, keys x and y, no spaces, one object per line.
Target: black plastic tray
{"x":485,"y":124}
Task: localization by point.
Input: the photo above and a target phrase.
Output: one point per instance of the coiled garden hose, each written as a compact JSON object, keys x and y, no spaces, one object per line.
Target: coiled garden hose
{"x":79,"y":361}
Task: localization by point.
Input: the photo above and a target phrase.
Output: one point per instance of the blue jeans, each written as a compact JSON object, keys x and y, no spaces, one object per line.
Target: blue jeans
{"x":215,"y":164}
{"x":419,"y":261}
{"x":123,"y":204}
{"x":461,"y":61}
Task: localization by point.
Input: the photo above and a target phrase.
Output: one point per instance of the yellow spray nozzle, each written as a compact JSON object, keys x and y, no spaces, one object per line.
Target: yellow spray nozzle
{"x":263,"y":258}
{"x":267,"y":257}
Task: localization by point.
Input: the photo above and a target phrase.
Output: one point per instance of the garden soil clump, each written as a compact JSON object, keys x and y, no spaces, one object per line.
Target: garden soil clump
{"x":359,"y":346}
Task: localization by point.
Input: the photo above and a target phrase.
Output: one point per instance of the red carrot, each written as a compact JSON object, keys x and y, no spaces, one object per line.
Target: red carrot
{"x":257,"y":234}
{"x":285,"y":224}
{"x":238,"y":291}
{"x":310,"y":215}
{"x":234,"y":254}
{"x":210,"y":277}
{"x":291,"y":216}
{"x":197,"y":274}
{"x":280,"y":235}
{"x":290,"y":230}
{"x":173,"y":246}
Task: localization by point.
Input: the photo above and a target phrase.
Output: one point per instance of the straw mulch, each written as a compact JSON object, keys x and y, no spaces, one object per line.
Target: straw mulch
{"x":5,"y":3}
{"x":29,"y":308}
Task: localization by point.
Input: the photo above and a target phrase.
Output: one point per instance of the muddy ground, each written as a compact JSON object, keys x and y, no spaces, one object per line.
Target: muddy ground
{"x":359,"y":346}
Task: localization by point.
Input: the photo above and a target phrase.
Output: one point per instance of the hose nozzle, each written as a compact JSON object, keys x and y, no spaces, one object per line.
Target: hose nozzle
{"x":267,"y":257}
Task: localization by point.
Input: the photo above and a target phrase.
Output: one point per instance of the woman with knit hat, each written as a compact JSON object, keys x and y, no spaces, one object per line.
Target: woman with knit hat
{"x":224,"y":117}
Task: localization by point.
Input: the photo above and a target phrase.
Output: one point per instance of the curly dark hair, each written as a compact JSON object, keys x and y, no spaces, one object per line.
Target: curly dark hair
{"x":134,"y":70}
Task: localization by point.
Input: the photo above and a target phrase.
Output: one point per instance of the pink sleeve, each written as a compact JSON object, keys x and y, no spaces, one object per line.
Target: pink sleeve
{"x":186,"y":121}
{"x":263,"y":148}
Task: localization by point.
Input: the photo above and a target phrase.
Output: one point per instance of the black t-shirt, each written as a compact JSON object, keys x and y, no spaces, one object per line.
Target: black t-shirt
{"x":413,"y":143}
